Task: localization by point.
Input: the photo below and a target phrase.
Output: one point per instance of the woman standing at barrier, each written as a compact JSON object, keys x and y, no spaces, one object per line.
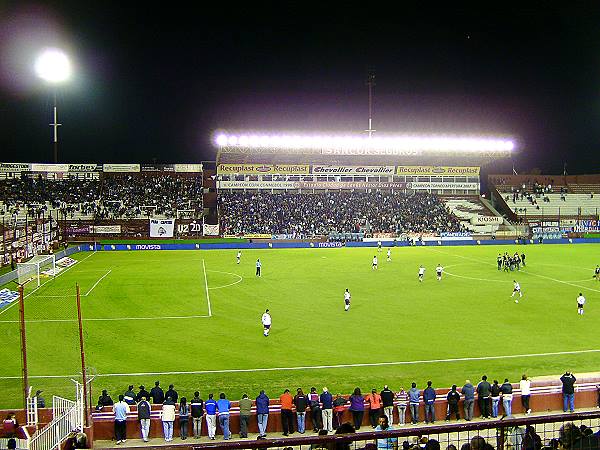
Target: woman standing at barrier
{"x":357,"y":406}
{"x":525,"y":386}
{"x":184,"y":417}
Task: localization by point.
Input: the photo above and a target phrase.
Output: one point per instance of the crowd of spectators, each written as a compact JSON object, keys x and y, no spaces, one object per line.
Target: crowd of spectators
{"x":327,"y":411}
{"x":115,"y":196}
{"x":338,"y":211}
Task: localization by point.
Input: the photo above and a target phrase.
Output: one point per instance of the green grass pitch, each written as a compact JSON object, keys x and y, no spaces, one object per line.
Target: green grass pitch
{"x":192,"y":318}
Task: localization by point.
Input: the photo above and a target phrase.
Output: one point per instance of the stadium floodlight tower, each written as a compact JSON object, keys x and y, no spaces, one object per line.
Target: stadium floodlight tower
{"x":54,"y":67}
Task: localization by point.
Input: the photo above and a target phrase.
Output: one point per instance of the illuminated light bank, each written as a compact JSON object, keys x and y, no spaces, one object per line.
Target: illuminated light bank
{"x":359,"y":144}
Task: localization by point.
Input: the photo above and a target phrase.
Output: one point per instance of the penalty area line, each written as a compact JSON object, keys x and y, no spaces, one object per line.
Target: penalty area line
{"x":336,"y":366}
{"x":206,"y":286}
{"x":96,"y":283}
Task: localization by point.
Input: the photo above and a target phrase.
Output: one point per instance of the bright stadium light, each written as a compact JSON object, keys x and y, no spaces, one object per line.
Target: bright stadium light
{"x":393,"y":144}
{"x":53,"y":66}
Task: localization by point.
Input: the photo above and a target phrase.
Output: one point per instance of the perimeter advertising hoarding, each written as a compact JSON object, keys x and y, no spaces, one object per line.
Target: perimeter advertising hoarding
{"x":351,"y":185}
{"x":256,"y":169}
{"x":487,"y":220}
{"x":162,"y":228}
{"x":62,"y":168}
{"x":310,"y":185}
{"x":257,"y":184}
{"x":121,"y":168}
{"x":433,"y":185}
{"x":353,"y":170}
{"x":188,"y":168}
{"x":15,"y":167}
{"x":438,"y":170}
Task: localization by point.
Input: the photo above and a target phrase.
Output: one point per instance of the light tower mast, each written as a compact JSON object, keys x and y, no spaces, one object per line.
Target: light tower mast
{"x":370,"y":84}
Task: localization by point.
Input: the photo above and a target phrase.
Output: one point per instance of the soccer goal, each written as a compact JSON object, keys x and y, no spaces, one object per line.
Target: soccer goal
{"x":37,"y":268}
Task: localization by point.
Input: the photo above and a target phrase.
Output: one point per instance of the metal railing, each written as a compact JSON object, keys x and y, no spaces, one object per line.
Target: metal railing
{"x":52,"y":435}
{"x":501,"y":434}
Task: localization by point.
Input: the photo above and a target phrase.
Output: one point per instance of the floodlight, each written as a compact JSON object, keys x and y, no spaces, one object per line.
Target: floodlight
{"x":403,"y":143}
{"x":53,"y":65}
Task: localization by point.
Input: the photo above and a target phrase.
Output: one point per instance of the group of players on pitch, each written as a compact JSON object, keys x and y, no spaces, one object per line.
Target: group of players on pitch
{"x":505,"y":262}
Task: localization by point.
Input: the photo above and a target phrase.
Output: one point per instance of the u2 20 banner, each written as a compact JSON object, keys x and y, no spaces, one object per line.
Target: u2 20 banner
{"x":162,"y":228}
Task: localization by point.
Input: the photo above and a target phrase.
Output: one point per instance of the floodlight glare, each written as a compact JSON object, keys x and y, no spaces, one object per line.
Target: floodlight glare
{"x":53,"y":65}
{"x":435,"y":144}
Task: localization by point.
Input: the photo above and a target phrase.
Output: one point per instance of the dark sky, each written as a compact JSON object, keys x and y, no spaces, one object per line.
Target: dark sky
{"x":155,"y":83}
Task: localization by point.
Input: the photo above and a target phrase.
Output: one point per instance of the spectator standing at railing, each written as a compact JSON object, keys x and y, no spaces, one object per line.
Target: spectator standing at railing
{"x":197,"y":411}
{"x":483,"y":393}
{"x":327,"y":409}
{"x":525,"y":387}
{"x":224,"y":405}
{"x":315,"y":409}
{"x":468,"y":391}
{"x":429,"y":401}
{"x":301,"y":403}
{"x":453,"y":397}
{"x":262,"y":414}
{"x":245,"y":412}
{"x":120,"y":410}
{"x":157,"y":394}
{"x":143,"y":411}
{"x":129,"y":395}
{"x":495,"y":394}
{"x":104,"y":400}
{"x":184,"y":418}
{"x":287,"y":416}
{"x":211,"y":416}
{"x":168,"y":418}
{"x":568,"y":390}
{"x":357,"y":406}
{"x":374,"y":401}
{"x":414,"y":398}
{"x":387,"y":400}
{"x":339,"y":406}
{"x":172,"y":393}
{"x":143,"y":393}
{"x":402,"y":402}
{"x":507,"y":397}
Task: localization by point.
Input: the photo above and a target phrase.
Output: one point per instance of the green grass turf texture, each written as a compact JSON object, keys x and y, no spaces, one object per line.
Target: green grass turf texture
{"x":393,"y":318}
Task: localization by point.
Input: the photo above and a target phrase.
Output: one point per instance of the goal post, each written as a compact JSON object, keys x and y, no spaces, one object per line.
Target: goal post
{"x":36,"y":268}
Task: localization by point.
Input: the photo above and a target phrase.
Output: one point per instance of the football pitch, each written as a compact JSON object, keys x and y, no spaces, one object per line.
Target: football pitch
{"x":192,"y":318}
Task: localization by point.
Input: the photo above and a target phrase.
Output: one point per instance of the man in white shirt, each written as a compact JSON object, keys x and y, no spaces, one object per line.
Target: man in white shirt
{"x":438,"y":270}
{"x":580,"y":303}
{"x":421,"y":273}
{"x":389,"y":254}
{"x":374,"y":267}
{"x":346,"y":300}
{"x":266,"y":321}
{"x":258,"y":267}
{"x":517,"y":288}
{"x":239,"y":256}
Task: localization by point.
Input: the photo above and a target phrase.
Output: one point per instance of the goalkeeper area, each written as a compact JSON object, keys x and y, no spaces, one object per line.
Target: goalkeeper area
{"x":192,"y":318}
{"x":36,"y":269}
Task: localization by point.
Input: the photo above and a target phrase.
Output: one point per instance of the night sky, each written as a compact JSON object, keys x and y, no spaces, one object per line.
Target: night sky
{"x":153,"y":84}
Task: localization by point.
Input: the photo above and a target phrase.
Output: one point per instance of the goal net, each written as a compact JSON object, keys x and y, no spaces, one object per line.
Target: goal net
{"x":36,"y":269}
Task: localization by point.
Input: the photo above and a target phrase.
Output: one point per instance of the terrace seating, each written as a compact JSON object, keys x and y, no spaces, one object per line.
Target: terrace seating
{"x":112,"y":197}
{"x":336,"y":212}
{"x":554,"y":204}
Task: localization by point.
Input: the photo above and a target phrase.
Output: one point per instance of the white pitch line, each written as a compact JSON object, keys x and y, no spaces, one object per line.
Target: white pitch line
{"x":106,"y":319}
{"x":337,"y":366}
{"x":47,"y":281}
{"x":226,"y":285}
{"x":206,"y":286}
{"x":96,"y":284}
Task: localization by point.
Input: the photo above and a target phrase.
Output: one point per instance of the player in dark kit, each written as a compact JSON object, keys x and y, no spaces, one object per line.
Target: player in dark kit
{"x":523,"y":259}
{"x":597,"y":273}
{"x":499,"y":260}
